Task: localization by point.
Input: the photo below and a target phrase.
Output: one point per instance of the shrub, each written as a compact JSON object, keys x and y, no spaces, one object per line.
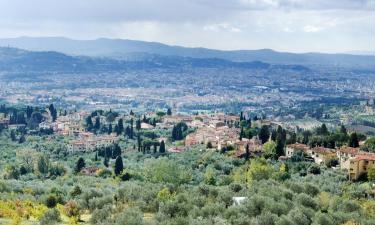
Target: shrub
{"x":130,"y":217}
{"x":71,"y":209}
{"x":51,"y":201}
{"x":100,"y":216}
{"x":51,"y":217}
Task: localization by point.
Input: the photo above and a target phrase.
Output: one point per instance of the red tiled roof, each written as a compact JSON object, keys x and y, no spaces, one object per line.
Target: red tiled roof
{"x":349,"y":150}
{"x":298,"y":146}
{"x":370,"y":157}
{"x":177,"y":150}
{"x":322,"y":150}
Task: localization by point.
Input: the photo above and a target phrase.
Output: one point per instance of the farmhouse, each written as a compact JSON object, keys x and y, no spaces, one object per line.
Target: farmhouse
{"x":360,"y":165}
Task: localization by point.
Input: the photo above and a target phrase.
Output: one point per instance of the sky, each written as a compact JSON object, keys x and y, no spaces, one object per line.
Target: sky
{"x":284,"y":25}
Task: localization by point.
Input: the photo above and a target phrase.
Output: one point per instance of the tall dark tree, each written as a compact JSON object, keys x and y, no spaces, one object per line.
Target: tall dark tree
{"x":120,"y":124}
{"x":97,"y":123}
{"x":247,"y":153}
{"x":343,"y":130}
{"x":280,"y":141}
{"x":169,"y":111}
{"x":138,"y":124}
{"x":292,"y":138}
{"x":80,"y":165}
{"x":139,"y":141}
{"x":131,"y":128}
{"x":110,"y":128}
{"x":89,"y":124}
{"x":13,"y":135}
{"x":178,"y":131}
{"x":273,"y":135}
{"x":116,"y":151}
{"x":155,"y":148}
{"x":116,"y":130}
{"x":353,"y":140}
{"x":306,"y":137}
{"x":119,"y":166}
{"x":162,"y":147}
{"x":241,"y":134}
{"x":323,"y":130}
{"x":22,"y":139}
{"x":106,"y":161}
{"x":264,"y":134}
{"x":29,"y":111}
{"x":53,"y":112}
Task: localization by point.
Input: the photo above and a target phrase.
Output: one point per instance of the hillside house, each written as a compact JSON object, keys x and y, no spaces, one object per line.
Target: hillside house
{"x":344,"y":154}
{"x":295,"y":148}
{"x":360,"y":165}
{"x":321,"y":155}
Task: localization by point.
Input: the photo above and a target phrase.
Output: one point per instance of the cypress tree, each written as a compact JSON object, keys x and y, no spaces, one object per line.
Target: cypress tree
{"x":264,"y":134}
{"x":106,"y":161}
{"x":80,"y":165}
{"x":97,"y":123}
{"x":353,"y":140}
{"x":89,"y":124}
{"x":138,"y":124}
{"x":241,"y":134}
{"x":162,"y":147}
{"x":110,"y":129}
{"x":119,"y":166}
{"x":247,"y":153}
{"x":120,"y":125}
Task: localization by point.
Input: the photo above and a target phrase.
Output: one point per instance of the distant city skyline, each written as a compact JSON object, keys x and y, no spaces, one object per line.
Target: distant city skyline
{"x":331,"y":26}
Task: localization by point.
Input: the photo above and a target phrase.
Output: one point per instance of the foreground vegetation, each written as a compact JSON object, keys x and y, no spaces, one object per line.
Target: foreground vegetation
{"x":135,"y":184}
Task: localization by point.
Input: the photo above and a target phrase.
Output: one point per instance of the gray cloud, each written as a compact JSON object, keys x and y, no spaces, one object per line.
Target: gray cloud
{"x":293,"y":25}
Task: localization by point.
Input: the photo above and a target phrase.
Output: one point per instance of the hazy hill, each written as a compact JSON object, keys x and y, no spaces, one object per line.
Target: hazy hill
{"x":13,"y":59}
{"x":118,"y":48}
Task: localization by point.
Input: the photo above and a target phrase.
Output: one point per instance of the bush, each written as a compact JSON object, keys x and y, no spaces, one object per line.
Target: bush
{"x":51,"y":217}
{"x":306,"y":201}
{"x":51,"y":201}
{"x":130,"y":217}
{"x":314,"y":169}
{"x":71,"y":209}
{"x":100,"y":216}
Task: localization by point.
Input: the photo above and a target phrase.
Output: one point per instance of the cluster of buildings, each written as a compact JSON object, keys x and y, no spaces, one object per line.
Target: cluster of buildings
{"x":219,"y":132}
{"x":68,"y":125}
{"x":71,"y":125}
{"x":355,"y":161}
{"x":200,"y":121}
{"x":89,"y":142}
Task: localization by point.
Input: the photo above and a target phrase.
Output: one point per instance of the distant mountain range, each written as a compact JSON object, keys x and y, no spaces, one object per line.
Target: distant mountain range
{"x":18,"y":60}
{"x":130,"y":49}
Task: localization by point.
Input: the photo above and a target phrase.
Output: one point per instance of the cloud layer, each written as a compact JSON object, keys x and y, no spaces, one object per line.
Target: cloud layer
{"x":290,"y":25}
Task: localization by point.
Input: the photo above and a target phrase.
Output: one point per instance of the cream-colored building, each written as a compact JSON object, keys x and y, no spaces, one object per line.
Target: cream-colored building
{"x":360,"y":165}
{"x":90,"y":142}
{"x":344,"y":154}
{"x":294,"y":148}
{"x":322,"y":155}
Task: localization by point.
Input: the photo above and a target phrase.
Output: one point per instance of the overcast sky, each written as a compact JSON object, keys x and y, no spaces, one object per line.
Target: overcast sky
{"x":286,"y":25}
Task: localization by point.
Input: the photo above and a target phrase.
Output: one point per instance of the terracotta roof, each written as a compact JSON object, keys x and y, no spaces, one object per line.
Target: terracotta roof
{"x":322,"y":150}
{"x":369,"y":156}
{"x":176,"y":150}
{"x":349,"y":150}
{"x":298,"y":146}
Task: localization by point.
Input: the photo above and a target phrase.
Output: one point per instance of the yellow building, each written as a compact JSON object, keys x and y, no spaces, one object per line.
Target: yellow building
{"x":360,"y":165}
